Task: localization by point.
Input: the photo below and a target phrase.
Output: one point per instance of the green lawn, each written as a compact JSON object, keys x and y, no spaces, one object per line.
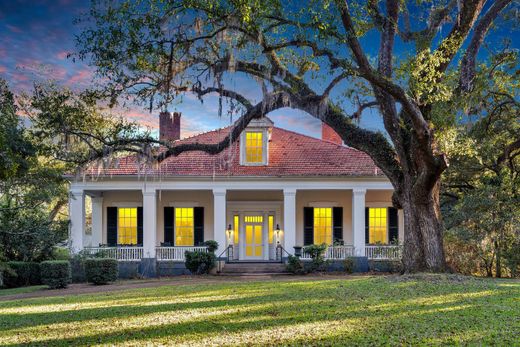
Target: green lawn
{"x":425,"y":310}
{"x":21,"y":290}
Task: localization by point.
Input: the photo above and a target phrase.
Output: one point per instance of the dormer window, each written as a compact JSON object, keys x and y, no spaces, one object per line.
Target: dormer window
{"x":254,"y":147}
{"x":254,"y":143}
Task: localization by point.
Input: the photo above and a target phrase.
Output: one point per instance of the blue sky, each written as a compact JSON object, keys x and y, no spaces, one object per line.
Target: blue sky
{"x":37,"y":35}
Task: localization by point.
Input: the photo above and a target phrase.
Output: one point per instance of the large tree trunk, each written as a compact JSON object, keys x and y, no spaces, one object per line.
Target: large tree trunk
{"x":423,"y":246}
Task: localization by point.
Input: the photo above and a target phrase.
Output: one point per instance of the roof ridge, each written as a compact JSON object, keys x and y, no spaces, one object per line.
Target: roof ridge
{"x":204,"y":133}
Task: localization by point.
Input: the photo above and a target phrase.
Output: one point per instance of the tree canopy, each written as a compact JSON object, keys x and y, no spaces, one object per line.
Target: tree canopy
{"x":317,"y":57}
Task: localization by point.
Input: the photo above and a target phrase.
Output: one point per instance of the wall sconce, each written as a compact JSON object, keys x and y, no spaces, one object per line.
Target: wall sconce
{"x":229,"y":230}
{"x":277,"y":231}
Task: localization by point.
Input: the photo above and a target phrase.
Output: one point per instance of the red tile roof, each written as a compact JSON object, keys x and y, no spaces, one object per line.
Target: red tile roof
{"x":290,"y":154}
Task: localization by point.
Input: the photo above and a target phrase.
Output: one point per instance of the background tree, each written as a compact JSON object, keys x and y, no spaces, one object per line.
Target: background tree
{"x":32,"y":191}
{"x":481,"y":190}
{"x":310,"y":56}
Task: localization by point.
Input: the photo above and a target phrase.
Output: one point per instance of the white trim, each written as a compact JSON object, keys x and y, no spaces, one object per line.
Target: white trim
{"x":220,"y":187}
{"x":184,"y":204}
{"x":323,"y":204}
{"x":123,"y":204}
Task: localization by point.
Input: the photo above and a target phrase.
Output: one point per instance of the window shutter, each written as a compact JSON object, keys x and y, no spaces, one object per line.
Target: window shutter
{"x":337,"y":224}
{"x":168,"y":225}
{"x":198,"y":223}
{"x":140,"y":226}
{"x":367,"y":233}
{"x":112,"y":226}
{"x":393,"y":225}
{"x":308,"y":225}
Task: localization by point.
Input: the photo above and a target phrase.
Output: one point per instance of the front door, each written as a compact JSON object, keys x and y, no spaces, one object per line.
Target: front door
{"x":254,"y":237}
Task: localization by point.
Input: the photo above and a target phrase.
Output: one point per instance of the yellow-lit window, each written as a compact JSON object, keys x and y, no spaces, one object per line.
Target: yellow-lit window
{"x":254,"y":219}
{"x":184,"y":226}
{"x":254,"y":147}
{"x":236,"y":230}
{"x":323,"y":225}
{"x":377,"y":225}
{"x":127,"y":226}
{"x":271,"y":228}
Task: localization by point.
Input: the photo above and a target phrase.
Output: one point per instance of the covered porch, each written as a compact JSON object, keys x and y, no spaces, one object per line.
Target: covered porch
{"x":133,"y":221}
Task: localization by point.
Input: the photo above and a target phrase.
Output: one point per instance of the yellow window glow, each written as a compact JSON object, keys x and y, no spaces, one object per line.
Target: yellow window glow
{"x":323,"y":225}
{"x":377,"y":225}
{"x":127,"y":226}
{"x":184,"y":225}
{"x":236,"y":230}
{"x":254,"y":147}
{"x":258,"y":241}
{"x":271,"y":228}
{"x":249,"y":240}
{"x":254,"y":219}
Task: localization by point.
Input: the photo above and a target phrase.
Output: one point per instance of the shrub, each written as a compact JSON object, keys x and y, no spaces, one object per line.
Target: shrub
{"x":295,"y":265}
{"x":200,"y":262}
{"x":317,"y":254}
{"x":348,"y":265}
{"x":22,"y":274}
{"x":5,"y":270}
{"x":101,"y":270}
{"x":212,"y":245}
{"x":60,"y":253}
{"x":55,"y":273}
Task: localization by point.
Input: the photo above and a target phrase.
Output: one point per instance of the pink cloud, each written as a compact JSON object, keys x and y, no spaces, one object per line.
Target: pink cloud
{"x":62,"y":55}
{"x":80,"y":77}
{"x":147,"y":120}
{"x":2,"y":69}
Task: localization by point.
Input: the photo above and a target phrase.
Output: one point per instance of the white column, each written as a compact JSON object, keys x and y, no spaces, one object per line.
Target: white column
{"x":77,"y":219}
{"x":289,"y":219}
{"x":149,"y":223}
{"x":358,"y":221}
{"x":97,"y":221}
{"x":219,"y":219}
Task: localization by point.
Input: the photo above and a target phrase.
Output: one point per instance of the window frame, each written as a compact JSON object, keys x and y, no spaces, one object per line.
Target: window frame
{"x":387,"y":232}
{"x":119,"y":226}
{"x":175,"y":225}
{"x":265,"y":147}
{"x":331,"y":229}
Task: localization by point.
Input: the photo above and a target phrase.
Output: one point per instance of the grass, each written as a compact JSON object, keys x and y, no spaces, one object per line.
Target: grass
{"x":21,"y":290}
{"x":413,"y":310}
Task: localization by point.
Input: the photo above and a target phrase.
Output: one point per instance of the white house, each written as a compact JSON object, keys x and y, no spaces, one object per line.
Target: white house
{"x":272,"y":187}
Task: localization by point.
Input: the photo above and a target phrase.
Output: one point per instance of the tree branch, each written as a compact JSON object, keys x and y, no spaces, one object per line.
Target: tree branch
{"x":467,"y":70}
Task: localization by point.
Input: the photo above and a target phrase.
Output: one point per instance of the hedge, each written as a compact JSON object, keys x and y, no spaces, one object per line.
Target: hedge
{"x":22,"y":274}
{"x":55,"y":273}
{"x":101,"y":270}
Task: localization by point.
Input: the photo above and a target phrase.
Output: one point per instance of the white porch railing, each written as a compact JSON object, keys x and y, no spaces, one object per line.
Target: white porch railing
{"x":119,"y":253}
{"x":333,"y":253}
{"x":383,"y":252}
{"x":175,"y":253}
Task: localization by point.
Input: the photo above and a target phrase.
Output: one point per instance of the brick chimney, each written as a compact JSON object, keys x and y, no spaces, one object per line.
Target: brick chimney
{"x":169,"y":126}
{"x":328,"y":134}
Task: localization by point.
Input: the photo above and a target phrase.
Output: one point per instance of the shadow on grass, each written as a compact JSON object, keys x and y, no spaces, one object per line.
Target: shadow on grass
{"x":269,"y":305}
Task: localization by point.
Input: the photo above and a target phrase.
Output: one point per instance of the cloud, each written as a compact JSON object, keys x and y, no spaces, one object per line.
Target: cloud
{"x":62,"y":55}
{"x":80,"y":77}
{"x":2,"y":69}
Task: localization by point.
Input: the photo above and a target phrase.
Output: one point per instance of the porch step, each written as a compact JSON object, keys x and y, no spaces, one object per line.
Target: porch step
{"x":253,"y":268}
